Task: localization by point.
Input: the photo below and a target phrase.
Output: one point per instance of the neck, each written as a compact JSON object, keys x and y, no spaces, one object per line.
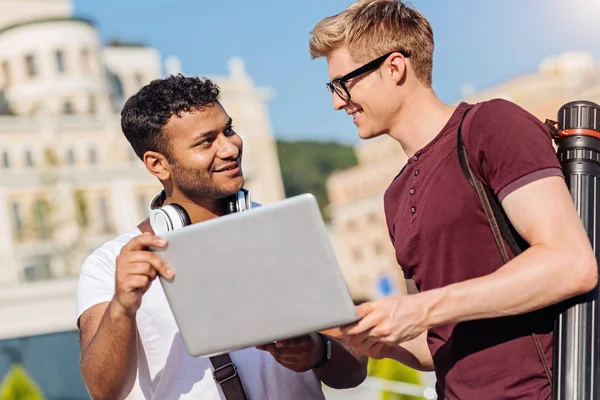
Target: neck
{"x":420,"y":120}
{"x":198,"y":209}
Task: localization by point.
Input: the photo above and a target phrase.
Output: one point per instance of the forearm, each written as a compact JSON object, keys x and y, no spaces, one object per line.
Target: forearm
{"x":346,"y":369}
{"x":539,"y":277}
{"x":109,"y":362}
{"x":413,"y":353}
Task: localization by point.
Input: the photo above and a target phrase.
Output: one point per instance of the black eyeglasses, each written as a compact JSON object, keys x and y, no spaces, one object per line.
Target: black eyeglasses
{"x":338,"y":85}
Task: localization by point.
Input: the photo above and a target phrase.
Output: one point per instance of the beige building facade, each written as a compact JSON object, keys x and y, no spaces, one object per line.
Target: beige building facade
{"x":356,"y":194}
{"x":69,"y":180}
{"x":358,"y":226}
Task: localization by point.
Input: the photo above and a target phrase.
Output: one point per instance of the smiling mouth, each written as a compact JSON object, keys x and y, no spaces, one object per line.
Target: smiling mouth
{"x":228,"y":167}
{"x":356,"y":113}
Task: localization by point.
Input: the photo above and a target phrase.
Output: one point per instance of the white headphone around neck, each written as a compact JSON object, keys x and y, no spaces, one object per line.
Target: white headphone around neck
{"x":172,"y":216}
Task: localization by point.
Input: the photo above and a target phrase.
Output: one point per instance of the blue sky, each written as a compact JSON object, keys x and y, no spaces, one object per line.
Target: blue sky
{"x":478,"y":42}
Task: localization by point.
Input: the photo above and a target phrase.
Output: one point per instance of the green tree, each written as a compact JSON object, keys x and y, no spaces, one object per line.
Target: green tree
{"x":18,"y":385}
{"x":305,"y":166}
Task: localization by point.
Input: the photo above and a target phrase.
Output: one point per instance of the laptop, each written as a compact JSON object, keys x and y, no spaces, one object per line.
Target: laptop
{"x":255,"y":277}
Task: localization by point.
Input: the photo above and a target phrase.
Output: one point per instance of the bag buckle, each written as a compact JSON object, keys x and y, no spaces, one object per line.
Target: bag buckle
{"x":225,"y":376}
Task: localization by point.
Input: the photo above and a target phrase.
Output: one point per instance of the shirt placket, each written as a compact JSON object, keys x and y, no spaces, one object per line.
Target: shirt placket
{"x":412,"y":191}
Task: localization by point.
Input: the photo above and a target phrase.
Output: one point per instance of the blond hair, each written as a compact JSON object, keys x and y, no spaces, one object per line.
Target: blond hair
{"x":372,"y":28}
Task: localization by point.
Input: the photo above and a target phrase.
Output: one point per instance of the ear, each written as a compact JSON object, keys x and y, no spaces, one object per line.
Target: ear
{"x":396,"y":67}
{"x":158,"y":165}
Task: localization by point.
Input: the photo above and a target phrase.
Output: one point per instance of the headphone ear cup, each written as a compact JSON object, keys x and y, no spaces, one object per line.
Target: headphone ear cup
{"x":160,"y":221}
{"x":167,"y":218}
{"x":183,"y":215}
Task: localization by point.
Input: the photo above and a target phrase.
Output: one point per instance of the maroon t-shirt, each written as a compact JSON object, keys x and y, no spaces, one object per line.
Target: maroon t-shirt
{"x":442,"y":236}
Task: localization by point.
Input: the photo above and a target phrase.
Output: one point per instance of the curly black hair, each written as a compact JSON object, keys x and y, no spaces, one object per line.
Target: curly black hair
{"x":148,"y":111}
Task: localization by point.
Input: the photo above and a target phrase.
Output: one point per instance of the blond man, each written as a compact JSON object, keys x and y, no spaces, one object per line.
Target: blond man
{"x":478,"y":311}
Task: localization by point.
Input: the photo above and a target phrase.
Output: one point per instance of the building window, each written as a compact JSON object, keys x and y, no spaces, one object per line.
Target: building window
{"x":68,"y":108}
{"x":42,"y":216}
{"x":92,"y":156}
{"x":59,"y":55}
{"x":70,"y":157}
{"x":86,"y":60}
{"x":106,"y":228}
{"x":30,"y":65}
{"x":92,"y":105}
{"x":18,"y":221}
{"x":378,"y":249}
{"x":37,"y":269}
{"x":81,"y":205}
{"x":6,"y":73}
{"x":117,"y":91}
{"x":5,"y":159}
{"x":29,"y":158}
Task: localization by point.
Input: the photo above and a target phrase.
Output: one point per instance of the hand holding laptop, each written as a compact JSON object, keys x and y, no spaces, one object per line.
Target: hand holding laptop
{"x":298,"y":354}
{"x":385,"y":323}
{"x":136,"y":268}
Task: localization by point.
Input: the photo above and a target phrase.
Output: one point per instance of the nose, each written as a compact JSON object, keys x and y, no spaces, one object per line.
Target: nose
{"x":338,"y":102}
{"x":228,"y":149}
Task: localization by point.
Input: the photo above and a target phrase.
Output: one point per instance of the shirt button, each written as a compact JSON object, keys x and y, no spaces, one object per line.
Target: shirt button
{"x":415,"y":158}
{"x":413,"y":210}
{"x":416,"y":172}
{"x":411,"y":191}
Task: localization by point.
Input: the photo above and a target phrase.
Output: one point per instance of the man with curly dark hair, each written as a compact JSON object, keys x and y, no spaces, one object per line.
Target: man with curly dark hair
{"x":179,"y":129}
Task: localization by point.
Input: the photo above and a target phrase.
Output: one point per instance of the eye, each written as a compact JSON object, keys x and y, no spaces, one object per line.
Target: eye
{"x":206,"y":142}
{"x":230,"y":131}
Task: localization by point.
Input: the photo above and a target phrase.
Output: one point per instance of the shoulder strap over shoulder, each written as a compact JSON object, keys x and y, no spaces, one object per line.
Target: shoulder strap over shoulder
{"x":501,"y":227}
{"x":493,"y":210}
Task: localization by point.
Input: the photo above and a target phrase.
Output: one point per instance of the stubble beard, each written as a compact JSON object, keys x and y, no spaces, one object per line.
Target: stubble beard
{"x":195,"y":187}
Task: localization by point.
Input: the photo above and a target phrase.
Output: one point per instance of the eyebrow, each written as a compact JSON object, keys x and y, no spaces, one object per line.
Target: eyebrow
{"x":339,"y":76}
{"x":212,"y":132}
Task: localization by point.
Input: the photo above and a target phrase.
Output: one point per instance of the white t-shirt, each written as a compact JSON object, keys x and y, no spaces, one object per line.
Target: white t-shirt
{"x":165,"y":370}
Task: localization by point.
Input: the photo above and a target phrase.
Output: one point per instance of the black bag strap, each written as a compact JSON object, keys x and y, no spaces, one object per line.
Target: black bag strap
{"x":225,"y":372}
{"x":492,"y":207}
{"x":502,"y":229}
{"x":226,"y":375}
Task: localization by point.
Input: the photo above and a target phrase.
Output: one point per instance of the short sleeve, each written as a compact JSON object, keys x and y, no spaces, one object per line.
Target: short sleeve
{"x":509,"y":147}
{"x":96,"y":283}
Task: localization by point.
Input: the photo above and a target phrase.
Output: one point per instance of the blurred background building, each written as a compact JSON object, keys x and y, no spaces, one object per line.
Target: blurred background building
{"x":358,"y":225}
{"x":69,"y":180}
